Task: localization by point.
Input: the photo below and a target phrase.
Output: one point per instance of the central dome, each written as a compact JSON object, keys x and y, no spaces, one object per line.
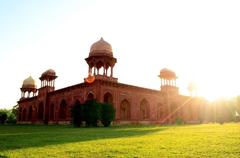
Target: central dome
{"x":101,"y":47}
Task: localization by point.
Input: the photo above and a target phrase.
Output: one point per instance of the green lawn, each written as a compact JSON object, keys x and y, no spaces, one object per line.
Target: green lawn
{"x":207,"y":140}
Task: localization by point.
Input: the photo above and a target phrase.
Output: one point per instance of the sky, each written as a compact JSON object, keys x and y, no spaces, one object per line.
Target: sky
{"x":199,"y":40}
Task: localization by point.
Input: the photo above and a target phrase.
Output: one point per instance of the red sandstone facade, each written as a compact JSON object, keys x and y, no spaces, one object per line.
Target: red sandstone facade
{"x":133,"y":104}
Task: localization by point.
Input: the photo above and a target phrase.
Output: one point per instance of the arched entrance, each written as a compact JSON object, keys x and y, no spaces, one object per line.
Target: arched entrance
{"x":20,"y":114}
{"x":160,"y":110}
{"x":125,"y":110}
{"x":40,"y":111}
{"x":90,"y":96}
{"x":108,"y":98}
{"x":173,"y":112}
{"x":24,"y":114}
{"x":51,"y":112}
{"x":63,"y":110}
{"x":144,"y":110}
{"x":30,"y":114}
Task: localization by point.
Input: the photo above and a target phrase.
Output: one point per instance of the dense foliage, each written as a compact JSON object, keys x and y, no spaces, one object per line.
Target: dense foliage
{"x":77,"y":114}
{"x":91,"y":112}
{"x":3,"y":116}
{"x":107,"y":114}
{"x":8,"y":116}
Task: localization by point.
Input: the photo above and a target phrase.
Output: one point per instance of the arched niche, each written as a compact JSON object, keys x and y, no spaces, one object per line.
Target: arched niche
{"x":30,"y":113}
{"x":108,"y":98}
{"x":63,"y":109}
{"x":40,"y":111}
{"x":144,"y":110}
{"x":51,"y":112}
{"x":90,"y":96}
{"x":125,"y":110}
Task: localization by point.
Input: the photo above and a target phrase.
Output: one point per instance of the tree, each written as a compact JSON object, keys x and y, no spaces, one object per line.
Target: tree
{"x":77,"y":114}
{"x":11,"y":118}
{"x":12,"y":115}
{"x":107,"y":114}
{"x":91,"y":112}
{"x":8,"y":116}
{"x":3,"y":116}
{"x":15,"y":109}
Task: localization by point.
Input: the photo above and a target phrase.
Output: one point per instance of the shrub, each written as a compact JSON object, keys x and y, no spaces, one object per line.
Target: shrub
{"x":12,"y":115}
{"x":3,"y":116}
{"x":107,"y":114}
{"x":11,"y":118}
{"x":179,"y":121}
{"x":77,"y":114}
{"x":91,"y":112}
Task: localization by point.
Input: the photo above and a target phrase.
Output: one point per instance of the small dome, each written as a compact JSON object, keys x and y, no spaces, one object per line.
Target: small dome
{"x":101,"y":47}
{"x":29,"y":83}
{"x":165,"y":70}
{"x":168,"y":74}
{"x":49,"y":72}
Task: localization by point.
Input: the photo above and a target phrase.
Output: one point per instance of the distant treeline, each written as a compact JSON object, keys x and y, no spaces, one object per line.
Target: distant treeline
{"x":8,"y":116}
{"x":222,"y":110}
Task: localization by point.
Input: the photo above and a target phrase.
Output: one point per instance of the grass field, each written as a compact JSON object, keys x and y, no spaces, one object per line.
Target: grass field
{"x":207,"y":140}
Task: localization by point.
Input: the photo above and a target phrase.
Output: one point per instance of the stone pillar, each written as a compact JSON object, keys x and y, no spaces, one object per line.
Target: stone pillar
{"x":89,"y":70}
{"x":104,"y":70}
{"x":94,"y":70}
{"x":111,"y":72}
